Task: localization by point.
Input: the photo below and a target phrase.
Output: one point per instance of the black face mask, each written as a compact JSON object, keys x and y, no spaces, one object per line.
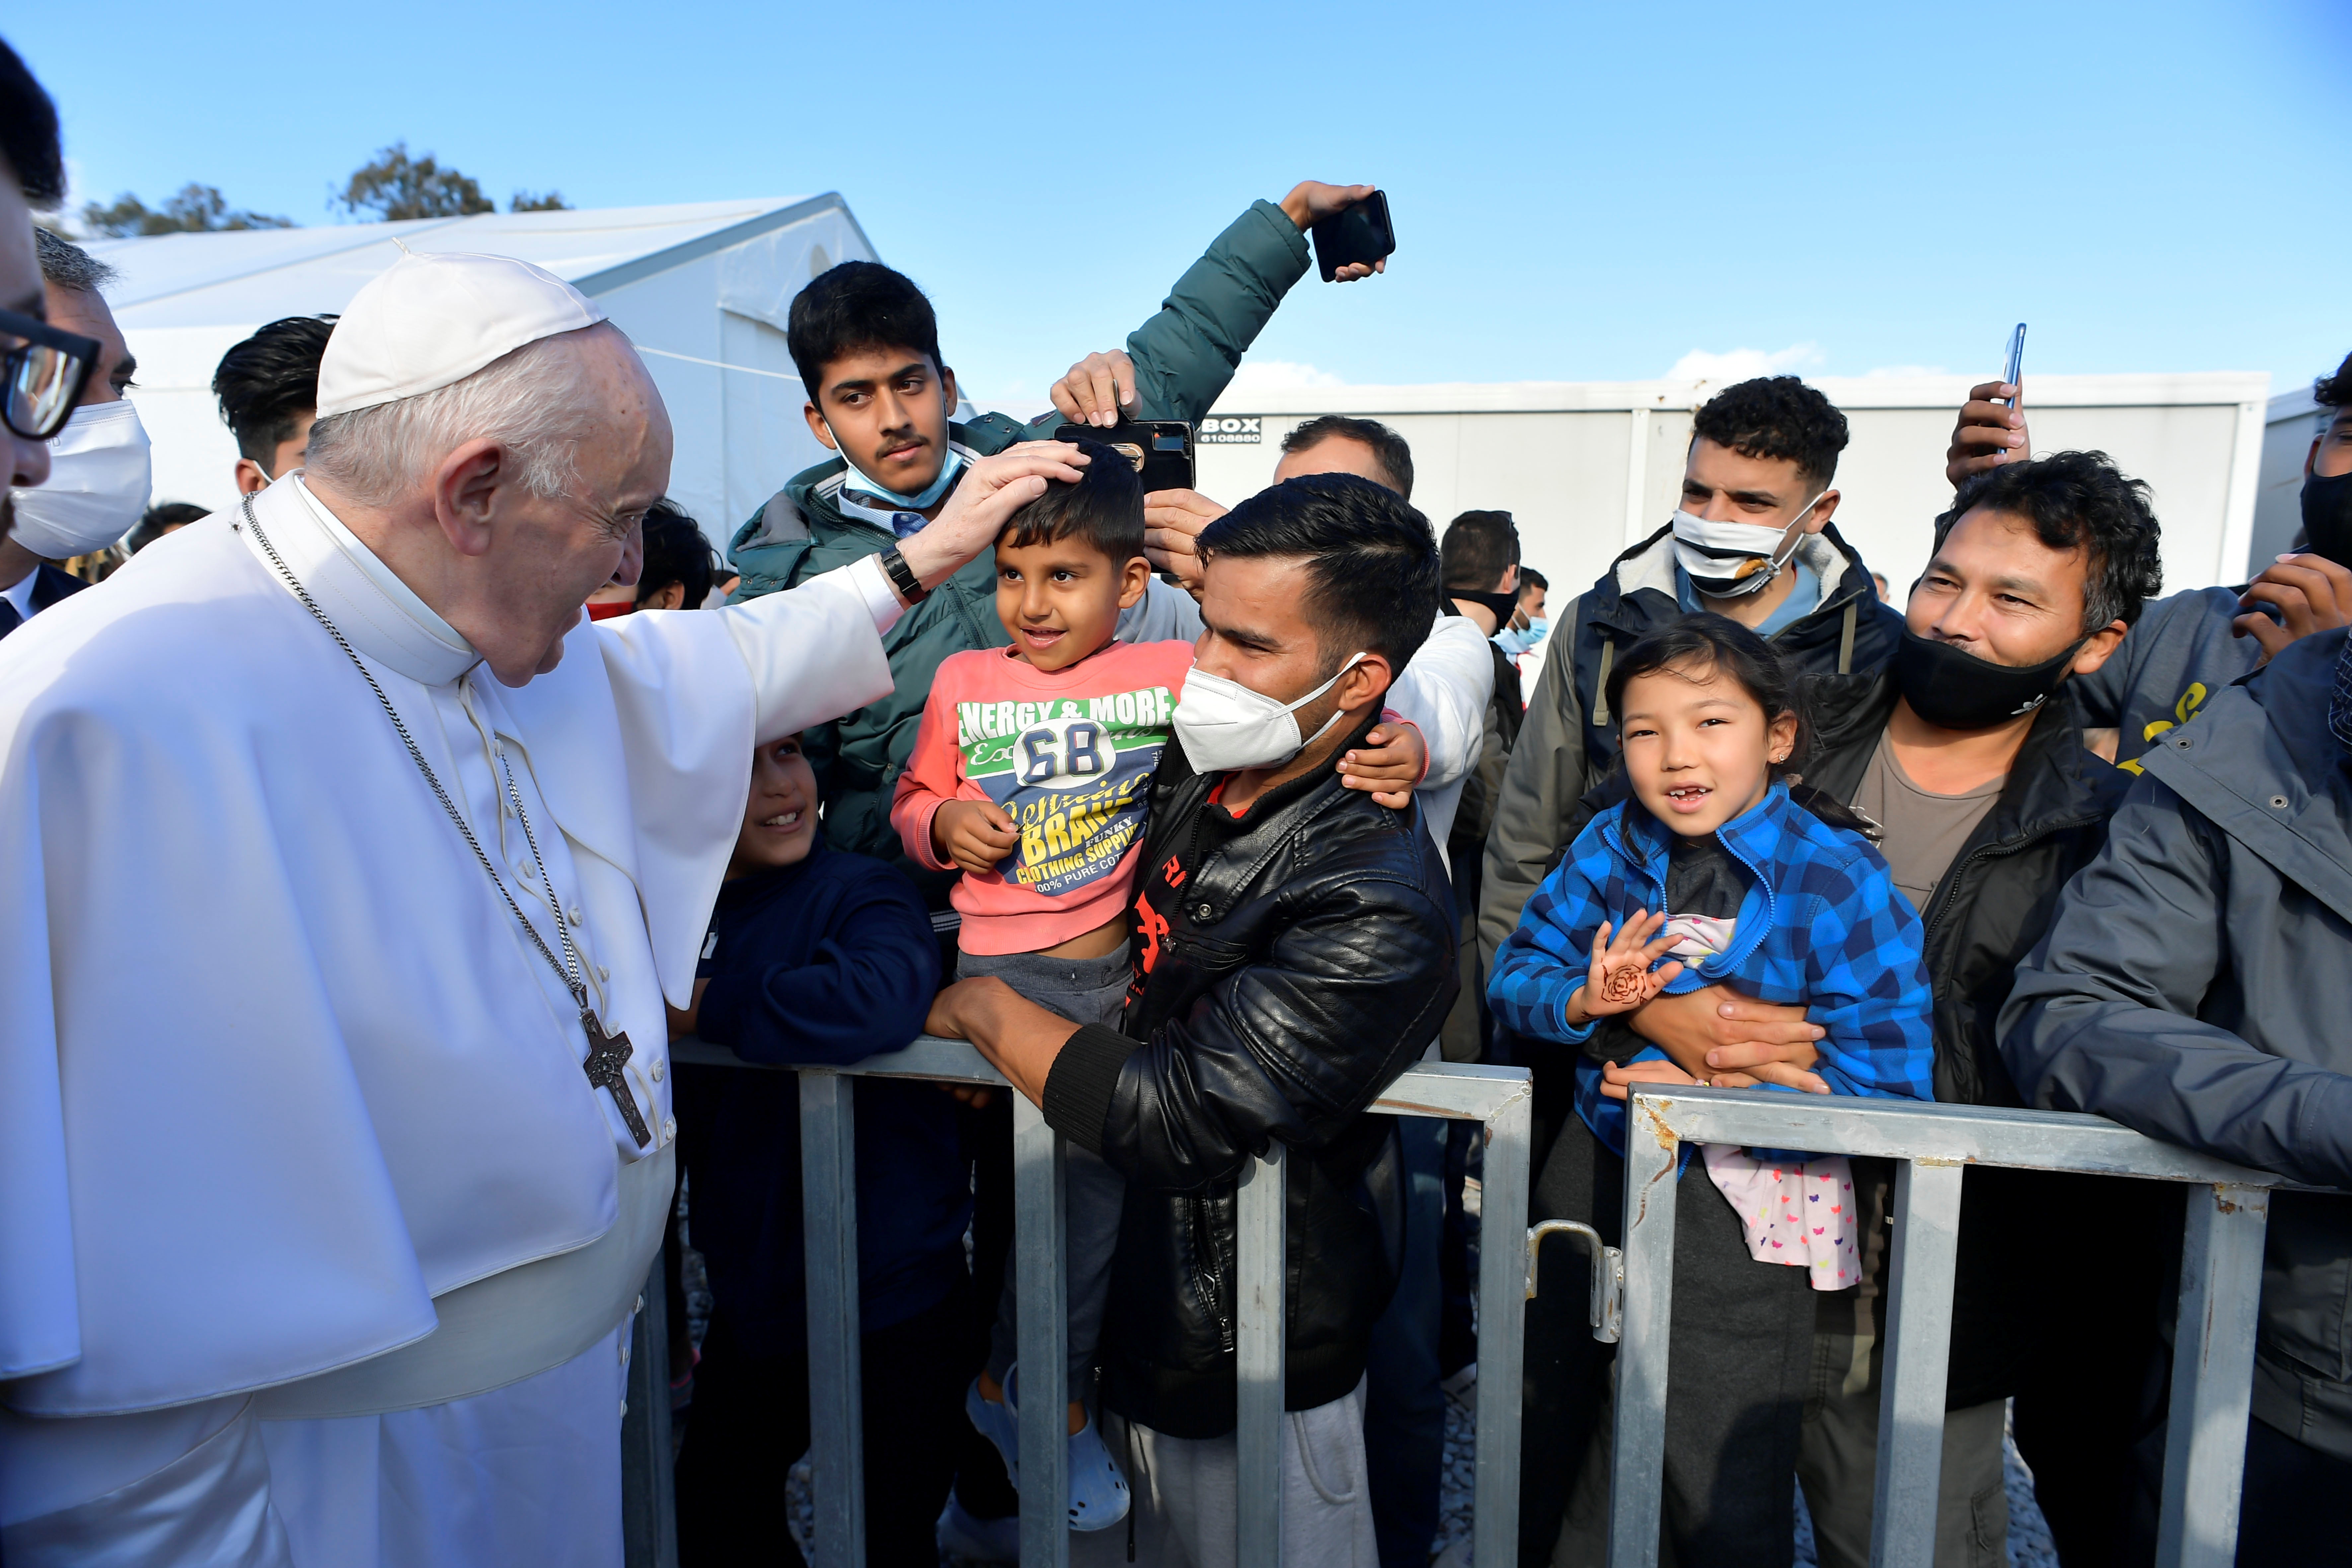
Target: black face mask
{"x":1955,"y":689}
{"x":1502,"y":606}
{"x":2328,"y":516}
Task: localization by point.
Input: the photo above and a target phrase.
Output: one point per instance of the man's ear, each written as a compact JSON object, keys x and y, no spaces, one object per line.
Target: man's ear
{"x":819,"y":428}
{"x":464,"y":493}
{"x":1823,"y":510}
{"x":2100,"y":648}
{"x":1367,"y":681}
{"x":1510,"y":582}
{"x":948,"y":389}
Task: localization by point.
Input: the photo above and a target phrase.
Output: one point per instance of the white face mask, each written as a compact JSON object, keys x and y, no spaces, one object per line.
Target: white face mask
{"x":99,"y":474}
{"x":1226,"y":727}
{"x":1728,"y":558}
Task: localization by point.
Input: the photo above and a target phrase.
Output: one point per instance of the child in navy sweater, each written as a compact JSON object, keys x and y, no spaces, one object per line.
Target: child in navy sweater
{"x":816,"y":956}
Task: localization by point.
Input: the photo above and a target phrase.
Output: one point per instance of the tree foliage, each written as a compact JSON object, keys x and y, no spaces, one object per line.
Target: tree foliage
{"x":197,"y":209}
{"x":397,"y":186}
{"x":548,"y":202}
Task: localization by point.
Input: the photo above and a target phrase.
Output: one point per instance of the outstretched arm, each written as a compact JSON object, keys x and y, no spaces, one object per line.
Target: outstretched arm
{"x":1176,"y":363}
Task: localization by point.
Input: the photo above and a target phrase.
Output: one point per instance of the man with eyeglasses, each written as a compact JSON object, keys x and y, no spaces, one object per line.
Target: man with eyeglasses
{"x":100,"y":473}
{"x":44,"y":378}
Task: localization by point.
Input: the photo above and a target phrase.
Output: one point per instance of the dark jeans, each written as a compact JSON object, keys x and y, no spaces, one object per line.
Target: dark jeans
{"x":1739,"y":1354}
{"x":750,"y":1423}
{"x":1404,"y":1408}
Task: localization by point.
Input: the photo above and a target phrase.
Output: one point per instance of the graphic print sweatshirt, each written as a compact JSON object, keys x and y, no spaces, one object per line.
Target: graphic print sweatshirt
{"x":1068,"y":756}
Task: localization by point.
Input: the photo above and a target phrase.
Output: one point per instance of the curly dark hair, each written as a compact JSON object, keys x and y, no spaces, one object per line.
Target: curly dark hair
{"x":1776,"y":416}
{"x":2078,"y":501}
{"x":2334,"y":391}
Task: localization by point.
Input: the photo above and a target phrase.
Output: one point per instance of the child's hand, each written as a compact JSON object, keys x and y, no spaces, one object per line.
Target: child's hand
{"x":1621,"y":978}
{"x":1616,"y":1075}
{"x":973,"y":834}
{"x":1388,"y":767}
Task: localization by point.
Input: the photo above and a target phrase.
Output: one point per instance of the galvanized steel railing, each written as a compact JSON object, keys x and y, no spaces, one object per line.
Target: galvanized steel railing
{"x":1498,"y":1097}
{"x":2213,"y":1356}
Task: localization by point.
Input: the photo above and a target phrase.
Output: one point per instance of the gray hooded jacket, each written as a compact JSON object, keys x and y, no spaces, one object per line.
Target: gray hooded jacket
{"x":2196,"y":984}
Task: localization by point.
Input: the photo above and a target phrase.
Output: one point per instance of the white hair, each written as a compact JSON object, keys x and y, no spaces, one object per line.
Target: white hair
{"x":534,"y":402}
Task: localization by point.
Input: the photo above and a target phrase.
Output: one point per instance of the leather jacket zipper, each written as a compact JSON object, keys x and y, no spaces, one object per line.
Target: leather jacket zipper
{"x":1207,"y":1278}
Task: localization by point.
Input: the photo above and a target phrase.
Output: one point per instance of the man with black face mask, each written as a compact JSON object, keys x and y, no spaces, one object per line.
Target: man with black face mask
{"x":2194,"y":644}
{"x":1968,"y":750}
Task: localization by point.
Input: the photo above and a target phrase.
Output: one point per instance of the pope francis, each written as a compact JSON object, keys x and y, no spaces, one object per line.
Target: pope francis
{"x":344,"y":869}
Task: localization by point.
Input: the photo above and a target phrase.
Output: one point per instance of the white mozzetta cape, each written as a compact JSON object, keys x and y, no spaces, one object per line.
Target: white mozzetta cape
{"x":276,"y":1065}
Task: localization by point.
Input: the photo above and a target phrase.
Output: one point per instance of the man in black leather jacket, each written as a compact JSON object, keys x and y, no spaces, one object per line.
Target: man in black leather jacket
{"x":1295,"y":945}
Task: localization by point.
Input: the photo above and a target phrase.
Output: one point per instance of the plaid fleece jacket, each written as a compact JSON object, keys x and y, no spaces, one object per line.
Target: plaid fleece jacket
{"x":1822,"y":925}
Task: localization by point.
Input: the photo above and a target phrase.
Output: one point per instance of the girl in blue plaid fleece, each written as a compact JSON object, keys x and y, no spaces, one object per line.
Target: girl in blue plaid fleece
{"x":1711,"y":872}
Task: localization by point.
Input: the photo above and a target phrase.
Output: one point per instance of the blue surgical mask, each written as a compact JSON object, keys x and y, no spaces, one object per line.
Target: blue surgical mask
{"x":1515,"y":642}
{"x":928,"y":496}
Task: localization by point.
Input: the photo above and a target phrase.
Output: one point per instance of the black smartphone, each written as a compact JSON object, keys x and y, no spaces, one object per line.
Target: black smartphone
{"x":1161,"y":449}
{"x":1361,"y":234}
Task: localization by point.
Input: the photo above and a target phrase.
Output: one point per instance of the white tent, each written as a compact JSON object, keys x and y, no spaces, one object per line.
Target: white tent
{"x":1588,"y":467}
{"x":702,"y":289}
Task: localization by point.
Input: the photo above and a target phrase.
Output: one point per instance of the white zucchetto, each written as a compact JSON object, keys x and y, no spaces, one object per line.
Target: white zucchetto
{"x":431,"y":319}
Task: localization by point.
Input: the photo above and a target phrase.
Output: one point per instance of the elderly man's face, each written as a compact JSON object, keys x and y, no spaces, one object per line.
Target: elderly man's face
{"x":546,"y":556}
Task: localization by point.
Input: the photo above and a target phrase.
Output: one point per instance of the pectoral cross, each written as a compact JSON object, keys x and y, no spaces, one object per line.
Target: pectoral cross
{"x":607,"y":1054}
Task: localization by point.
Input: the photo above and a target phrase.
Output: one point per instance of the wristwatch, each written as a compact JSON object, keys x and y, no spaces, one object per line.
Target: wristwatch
{"x":902,"y":577}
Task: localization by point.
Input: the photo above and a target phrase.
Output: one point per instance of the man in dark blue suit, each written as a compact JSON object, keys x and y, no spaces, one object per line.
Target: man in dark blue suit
{"x":33,"y":591}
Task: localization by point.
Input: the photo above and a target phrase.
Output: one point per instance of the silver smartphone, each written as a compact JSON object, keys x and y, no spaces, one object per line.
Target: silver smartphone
{"x":2016,"y":358}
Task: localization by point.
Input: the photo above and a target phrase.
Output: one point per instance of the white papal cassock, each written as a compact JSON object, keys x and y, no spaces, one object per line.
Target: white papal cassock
{"x":316,"y":1244}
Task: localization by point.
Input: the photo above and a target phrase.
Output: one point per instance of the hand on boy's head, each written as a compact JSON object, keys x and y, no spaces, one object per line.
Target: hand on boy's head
{"x":984,"y":501}
{"x":973,"y":834}
{"x":1389,"y":766}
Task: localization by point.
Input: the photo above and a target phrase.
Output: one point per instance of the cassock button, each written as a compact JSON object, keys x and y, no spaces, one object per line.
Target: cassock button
{"x":657,"y":1072}
{"x":572,"y":915}
{"x":602,"y":972}
{"x":669,"y":1127}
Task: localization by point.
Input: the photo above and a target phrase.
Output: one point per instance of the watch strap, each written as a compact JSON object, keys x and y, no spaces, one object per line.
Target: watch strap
{"x":902,"y":577}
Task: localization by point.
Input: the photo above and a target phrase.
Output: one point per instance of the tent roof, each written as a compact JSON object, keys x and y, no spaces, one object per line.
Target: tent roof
{"x":238,"y":278}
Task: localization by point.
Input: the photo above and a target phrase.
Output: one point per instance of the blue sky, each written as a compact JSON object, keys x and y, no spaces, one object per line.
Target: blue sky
{"x":1581,"y":191}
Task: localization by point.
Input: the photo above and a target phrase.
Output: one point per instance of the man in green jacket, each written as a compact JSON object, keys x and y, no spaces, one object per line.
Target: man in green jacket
{"x":866,"y":346}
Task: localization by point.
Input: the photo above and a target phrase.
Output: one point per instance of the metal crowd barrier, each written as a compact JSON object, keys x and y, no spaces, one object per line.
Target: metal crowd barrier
{"x":2213,"y":1355}
{"x":1498,"y":1097}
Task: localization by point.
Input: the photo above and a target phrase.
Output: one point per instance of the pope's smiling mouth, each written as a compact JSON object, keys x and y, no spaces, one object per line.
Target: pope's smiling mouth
{"x":785,"y":820}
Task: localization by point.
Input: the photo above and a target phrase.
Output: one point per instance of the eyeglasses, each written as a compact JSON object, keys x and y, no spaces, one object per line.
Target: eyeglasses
{"x":47,"y":371}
